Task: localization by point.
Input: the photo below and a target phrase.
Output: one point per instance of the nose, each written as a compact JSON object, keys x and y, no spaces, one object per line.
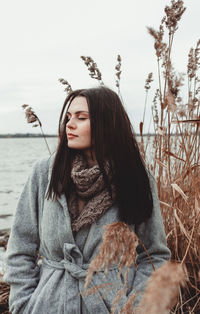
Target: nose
{"x":70,"y":124}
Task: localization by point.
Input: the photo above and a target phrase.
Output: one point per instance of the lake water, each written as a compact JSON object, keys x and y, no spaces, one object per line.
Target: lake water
{"x":17,"y":158}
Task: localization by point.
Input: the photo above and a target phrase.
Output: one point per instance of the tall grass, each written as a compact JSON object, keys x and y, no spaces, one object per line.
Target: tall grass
{"x":176,"y":150}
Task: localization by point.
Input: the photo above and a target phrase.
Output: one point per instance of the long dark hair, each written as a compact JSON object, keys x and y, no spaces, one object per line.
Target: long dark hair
{"x":113,"y":138}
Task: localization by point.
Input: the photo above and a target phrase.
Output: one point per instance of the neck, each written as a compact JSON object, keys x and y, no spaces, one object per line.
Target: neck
{"x":90,"y":158}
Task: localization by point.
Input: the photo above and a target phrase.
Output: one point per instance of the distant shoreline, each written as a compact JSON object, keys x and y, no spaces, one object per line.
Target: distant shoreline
{"x":32,"y":135}
{"x":25,"y":135}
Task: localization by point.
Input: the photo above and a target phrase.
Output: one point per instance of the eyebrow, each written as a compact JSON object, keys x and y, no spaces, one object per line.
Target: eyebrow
{"x":80,"y":111}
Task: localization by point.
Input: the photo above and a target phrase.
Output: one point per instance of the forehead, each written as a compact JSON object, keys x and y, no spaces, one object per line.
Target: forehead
{"x":78,"y":104}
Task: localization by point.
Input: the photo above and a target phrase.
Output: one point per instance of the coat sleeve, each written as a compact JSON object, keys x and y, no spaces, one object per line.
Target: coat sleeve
{"x":151,"y":233}
{"x":21,"y":270}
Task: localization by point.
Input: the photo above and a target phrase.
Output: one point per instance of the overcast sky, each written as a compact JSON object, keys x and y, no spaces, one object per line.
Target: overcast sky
{"x":42,"y":41}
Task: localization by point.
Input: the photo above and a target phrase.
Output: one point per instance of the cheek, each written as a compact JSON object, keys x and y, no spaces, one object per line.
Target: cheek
{"x":87,"y":135}
{"x":86,"y":130}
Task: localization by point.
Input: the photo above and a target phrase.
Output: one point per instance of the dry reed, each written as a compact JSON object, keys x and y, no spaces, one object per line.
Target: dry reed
{"x":147,"y":86}
{"x":128,"y":307}
{"x":118,"y":73}
{"x":118,"y":247}
{"x":32,"y":118}
{"x":4,"y":295}
{"x":162,"y":289}
{"x":68,"y":88}
{"x":93,"y":69}
{"x":175,"y":155}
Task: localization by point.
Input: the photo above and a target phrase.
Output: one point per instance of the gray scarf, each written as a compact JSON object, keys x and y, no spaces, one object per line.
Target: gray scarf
{"x":90,"y":186}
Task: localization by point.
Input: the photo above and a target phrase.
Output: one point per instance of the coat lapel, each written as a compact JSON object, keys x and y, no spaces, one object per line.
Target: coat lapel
{"x":96,"y":231}
{"x":61,"y":201}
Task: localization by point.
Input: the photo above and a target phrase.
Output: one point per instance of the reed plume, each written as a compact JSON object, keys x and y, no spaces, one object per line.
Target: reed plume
{"x":173,"y":15}
{"x":118,"y":72}
{"x":162,"y":289}
{"x":32,"y":118}
{"x":147,"y":86}
{"x":118,"y":247}
{"x":68,"y":88}
{"x":93,"y":69}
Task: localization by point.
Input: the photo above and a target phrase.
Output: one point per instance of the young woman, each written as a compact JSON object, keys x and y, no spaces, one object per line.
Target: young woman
{"x":96,"y":177}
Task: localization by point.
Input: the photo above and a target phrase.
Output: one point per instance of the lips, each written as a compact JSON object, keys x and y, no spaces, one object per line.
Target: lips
{"x":71,"y":135}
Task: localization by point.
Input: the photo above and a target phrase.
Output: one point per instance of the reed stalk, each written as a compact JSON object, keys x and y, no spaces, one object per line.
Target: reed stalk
{"x":32,"y":118}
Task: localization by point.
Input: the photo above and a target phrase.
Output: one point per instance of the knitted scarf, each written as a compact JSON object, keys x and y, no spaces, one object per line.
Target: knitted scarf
{"x":89,"y":186}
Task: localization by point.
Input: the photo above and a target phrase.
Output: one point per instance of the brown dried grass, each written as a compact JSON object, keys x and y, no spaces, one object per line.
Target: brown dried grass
{"x":176,"y":164}
{"x":68,"y":88}
{"x":31,"y":117}
{"x":4,"y":295}
{"x":128,"y":307}
{"x":118,"y":247}
{"x":93,"y":69}
{"x":162,"y":289}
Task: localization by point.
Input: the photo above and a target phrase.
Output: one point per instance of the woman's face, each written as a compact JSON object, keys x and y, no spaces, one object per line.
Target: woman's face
{"x":78,"y":124}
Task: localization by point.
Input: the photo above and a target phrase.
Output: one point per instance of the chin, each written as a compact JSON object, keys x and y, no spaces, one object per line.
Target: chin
{"x":77,"y":147}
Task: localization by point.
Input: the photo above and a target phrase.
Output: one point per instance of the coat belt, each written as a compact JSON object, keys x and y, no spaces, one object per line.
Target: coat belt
{"x":76,"y":271}
{"x":79,"y":272}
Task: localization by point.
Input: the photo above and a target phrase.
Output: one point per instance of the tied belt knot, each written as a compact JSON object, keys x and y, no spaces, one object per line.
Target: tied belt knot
{"x":72,"y":262}
{"x":76,"y":270}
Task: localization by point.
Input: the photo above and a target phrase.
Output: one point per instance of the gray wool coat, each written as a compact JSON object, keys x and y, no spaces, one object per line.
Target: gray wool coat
{"x":55,"y":286}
